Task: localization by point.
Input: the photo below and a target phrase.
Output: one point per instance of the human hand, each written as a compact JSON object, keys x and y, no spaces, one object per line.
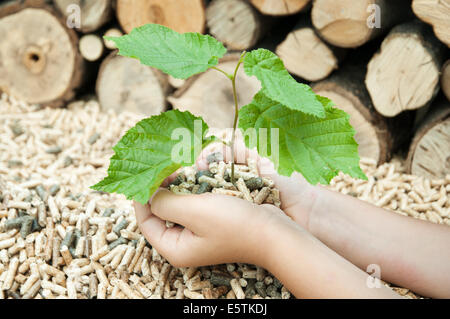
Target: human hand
{"x":217,"y":228}
{"x":297,"y":195}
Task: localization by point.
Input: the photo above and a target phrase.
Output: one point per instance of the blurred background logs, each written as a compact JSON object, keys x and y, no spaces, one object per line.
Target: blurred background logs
{"x":386,"y":63}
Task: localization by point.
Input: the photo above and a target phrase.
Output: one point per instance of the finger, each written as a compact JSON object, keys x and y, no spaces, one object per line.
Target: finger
{"x":180,"y":209}
{"x":242,"y":154}
{"x":202,"y":163}
{"x":170,"y":242}
{"x":289,"y":187}
{"x":195,"y":212}
{"x":148,"y":222}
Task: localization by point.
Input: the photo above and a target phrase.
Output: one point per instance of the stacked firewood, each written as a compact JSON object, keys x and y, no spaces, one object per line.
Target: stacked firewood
{"x":386,"y":63}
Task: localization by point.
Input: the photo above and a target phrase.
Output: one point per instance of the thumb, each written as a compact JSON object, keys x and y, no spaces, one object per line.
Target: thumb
{"x":181,"y":209}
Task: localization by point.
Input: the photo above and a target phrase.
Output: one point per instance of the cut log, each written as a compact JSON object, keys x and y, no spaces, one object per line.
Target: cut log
{"x":179,"y":15}
{"x":429,"y":154}
{"x":235,"y":23}
{"x":436,"y":13}
{"x":279,"y":7}
{"x":306,"y":55}
{"x":124,"y":84}
{"x":91,"y":47}
{"x":445,"y":79}
{"x":93,"y":13}
{"x":404,"y":74}
{"x":349,"y":23}
{"x":378,"y":137}
{"x":210,"y":95}
{"x":114,"y":32}
{"x":39,"y":58}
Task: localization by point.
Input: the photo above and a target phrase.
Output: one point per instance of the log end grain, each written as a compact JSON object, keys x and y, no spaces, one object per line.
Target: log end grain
{"x":40,"y":62}
{"x":342,"y":23}
{"x":436,"y":13}
{"x":111,"y":33}
{"x":279,"y":7}
{"x":91,"y":47}
{"x":350,"y":24}
{"x":428,"y":154}
{"x":125,"y":84}
{"x":181,"y":16}
{"x":404,"y":74}
{"x":306,"y":55}
{"x":235,"y":23}
{"x":94,"y":13}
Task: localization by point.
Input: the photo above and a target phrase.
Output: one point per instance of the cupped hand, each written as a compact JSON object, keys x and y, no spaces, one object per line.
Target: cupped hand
{"x":216,"y":228}
{"x":297,"y":195}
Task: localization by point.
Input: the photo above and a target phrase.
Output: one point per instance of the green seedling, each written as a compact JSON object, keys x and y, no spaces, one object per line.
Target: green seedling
{"x":313,"y":137}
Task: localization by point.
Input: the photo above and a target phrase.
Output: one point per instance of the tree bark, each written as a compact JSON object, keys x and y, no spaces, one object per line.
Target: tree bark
{"x":210,"y":95}
{"x":94,"y":13}
{"x":436,"y":13}
{"x":235,"y":23}
{"x":280,"y":7}
{"x":445,"y":79}
{"x":349,"y":23}
{"x":404,"y":74}
{"x":378,"y":137}
{"x":39,"y":58}
{"x":123,"y":84}
{"x":181,"y":16}
{"x":428,"y":154}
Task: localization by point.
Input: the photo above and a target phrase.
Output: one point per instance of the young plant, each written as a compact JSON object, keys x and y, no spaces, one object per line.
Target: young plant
{"x":314,"y":138}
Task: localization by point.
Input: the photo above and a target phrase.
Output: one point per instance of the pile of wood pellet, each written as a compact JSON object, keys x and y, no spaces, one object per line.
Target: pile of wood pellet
{"x":391,"y":188}
{"x":59,"y":239}
{"x":216,"y":179}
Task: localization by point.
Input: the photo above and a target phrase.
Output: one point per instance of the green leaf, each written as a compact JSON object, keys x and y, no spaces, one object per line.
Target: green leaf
{"x":279,"y":85}
{"x":318,"y":148}
{"x":143,"y":157}
{"x":180,"y":55}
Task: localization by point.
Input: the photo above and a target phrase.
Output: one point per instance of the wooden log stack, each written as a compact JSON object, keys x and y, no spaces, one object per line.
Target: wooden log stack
{"x":93,"y":14}
{"x":378,"y":136}
{"x":349,"y":23}
{"x":53,"y":51}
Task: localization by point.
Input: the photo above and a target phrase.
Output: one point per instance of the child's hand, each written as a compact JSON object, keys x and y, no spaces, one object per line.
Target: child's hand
{"x":297,"y":195}
{"x":218,"y":228}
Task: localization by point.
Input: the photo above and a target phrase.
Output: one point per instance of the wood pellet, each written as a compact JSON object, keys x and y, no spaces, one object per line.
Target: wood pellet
{"x":59,"y":239}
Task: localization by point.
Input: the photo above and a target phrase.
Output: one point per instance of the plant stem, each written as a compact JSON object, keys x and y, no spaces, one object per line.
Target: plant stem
{"x":236,"y":113}
{"x":222,"y":71}
{"x":232,"y":77}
